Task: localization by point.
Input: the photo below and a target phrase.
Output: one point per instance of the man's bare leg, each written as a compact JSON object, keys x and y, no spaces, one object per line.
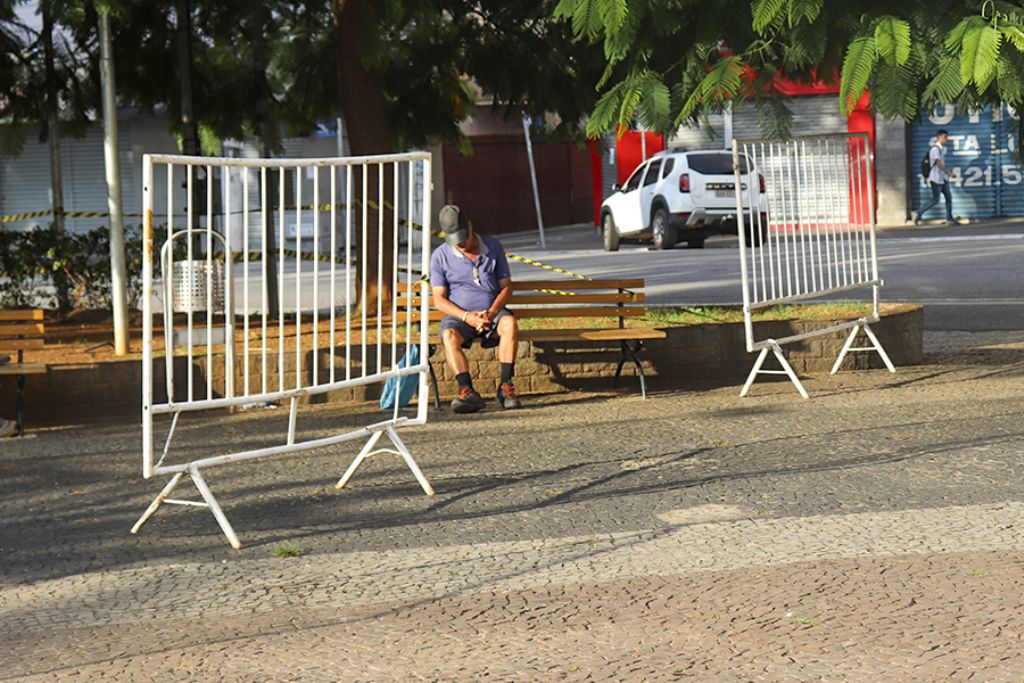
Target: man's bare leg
{"x":468,"y":401}
{"x":508,"y":334}
{"x":453,"y":351}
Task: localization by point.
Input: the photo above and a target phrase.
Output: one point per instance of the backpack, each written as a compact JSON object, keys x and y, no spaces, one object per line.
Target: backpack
{"x":401,"y":391}
{"x":926,"y":164}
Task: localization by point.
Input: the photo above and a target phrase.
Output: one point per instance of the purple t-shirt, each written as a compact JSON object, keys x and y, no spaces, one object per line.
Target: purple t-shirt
{"x":472,"y":286}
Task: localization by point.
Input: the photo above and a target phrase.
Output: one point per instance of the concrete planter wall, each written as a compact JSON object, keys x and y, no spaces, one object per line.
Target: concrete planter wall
{"x":689,"y":356}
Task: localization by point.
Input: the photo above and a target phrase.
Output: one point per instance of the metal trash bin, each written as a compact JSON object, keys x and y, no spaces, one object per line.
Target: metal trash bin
{"x":190,"y":280}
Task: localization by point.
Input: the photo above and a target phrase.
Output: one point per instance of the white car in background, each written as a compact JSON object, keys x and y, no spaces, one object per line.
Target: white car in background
{"x":680,"y":196}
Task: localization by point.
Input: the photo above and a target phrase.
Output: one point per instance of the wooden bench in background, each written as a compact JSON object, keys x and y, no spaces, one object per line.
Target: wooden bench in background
{"x":21,"y":331}
{"x":617,"y":299}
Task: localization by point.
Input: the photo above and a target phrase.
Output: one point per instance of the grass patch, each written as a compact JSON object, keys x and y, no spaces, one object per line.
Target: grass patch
{"x":701,"y":315}
{"x":287,"y":550}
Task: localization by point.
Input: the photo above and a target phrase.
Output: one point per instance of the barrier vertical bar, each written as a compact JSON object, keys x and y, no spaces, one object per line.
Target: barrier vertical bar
{"x":316,"y":275}
{"x":872,"y":235}
{"x":264,"y":294}
{"x":334,"y":264}
{"x":229,"y":291}
{"x":209,"y":281}
{"x":380,"y":261}
{"x":801,"y":198}
{"x":298,"y":277}
{"x":168,"y":276}
{"x":362,"y":266}
{"x":282,"y":209}
{"x":395,"y":171}
{"x":245,"y":276}
{"x":147,"y":318}
{"x":191,"y":277}
{"x":348,"y":272}
{"x":741,"y":230}
{"x":824,"y":211}
{"x":427,"y":218}
{"x":771,"y":236}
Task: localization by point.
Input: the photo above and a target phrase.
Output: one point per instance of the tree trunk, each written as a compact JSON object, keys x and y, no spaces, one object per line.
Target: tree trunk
{"x":60,"y":280}
{"x":260,"y":17}
{"x":363,"y":108}
{"x":189,"y":127}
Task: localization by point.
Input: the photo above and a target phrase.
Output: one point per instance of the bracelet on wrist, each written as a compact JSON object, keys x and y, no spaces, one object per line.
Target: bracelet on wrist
{"x":465,"y":315}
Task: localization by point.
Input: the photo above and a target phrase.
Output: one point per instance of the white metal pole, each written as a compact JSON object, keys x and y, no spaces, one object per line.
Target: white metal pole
{"x":147,"y":320}
{"x":533,"y":179}
{"x":118,"y":278}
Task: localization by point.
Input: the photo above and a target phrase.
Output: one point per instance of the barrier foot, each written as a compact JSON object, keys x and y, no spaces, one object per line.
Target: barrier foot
{"x":875,"y":346}
{"x":157,"y":502}
{"x":399,"y":449}
{"x":207,"y":495}
{"x":787,"y":369}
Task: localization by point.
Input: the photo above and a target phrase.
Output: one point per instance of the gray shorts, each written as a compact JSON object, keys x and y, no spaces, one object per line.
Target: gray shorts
{"x":488,"y":339}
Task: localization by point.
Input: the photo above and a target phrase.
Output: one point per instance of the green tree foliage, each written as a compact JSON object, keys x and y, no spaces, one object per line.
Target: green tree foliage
{"x":23,"y":86}
{"x":913,"y":55}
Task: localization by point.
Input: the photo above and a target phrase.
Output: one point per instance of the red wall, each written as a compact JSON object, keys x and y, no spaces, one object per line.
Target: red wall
{"x":493,"y":188}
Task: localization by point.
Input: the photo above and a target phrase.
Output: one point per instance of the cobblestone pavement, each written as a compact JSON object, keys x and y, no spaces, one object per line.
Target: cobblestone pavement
{"x":871,"y":533}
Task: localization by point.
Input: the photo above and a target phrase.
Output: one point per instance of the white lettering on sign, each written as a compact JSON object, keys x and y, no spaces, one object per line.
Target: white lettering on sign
{"x":943,"y":118}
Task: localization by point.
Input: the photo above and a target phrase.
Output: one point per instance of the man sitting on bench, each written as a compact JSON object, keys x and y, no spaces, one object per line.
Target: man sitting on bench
{"x":471,"y":282}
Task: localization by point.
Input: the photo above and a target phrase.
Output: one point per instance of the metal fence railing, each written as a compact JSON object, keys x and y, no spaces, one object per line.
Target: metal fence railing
{"x":807,"y":232}
{"x":291,"y":313}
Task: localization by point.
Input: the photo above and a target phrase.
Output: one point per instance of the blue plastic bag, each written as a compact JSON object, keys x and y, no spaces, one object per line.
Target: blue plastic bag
{"x":406,"y":388}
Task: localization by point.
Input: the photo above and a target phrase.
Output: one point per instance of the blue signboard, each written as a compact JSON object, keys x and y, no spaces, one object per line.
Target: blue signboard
{"x":986,"y":180}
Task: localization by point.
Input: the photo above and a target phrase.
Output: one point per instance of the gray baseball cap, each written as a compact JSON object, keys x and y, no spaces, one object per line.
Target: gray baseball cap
{"x":454,"y":223}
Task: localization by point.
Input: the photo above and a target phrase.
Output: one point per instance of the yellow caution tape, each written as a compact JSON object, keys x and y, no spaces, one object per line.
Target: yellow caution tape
{"x":256,"y":256}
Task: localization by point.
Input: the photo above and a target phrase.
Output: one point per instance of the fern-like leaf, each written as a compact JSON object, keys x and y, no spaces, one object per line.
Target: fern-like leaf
{"x":722,"y":82}
{"x":653,"y":109}
{"x":858,"y":64}
{"x":806,"y":10}
{"x":613,"y":14}
{"x":605,"y":112}
{"x":1015,"y":36}
{"x":892,"y":39}
{"x":947,"y":85}
{"x":765,"y":13}
{"x":956,"y":37}
{"x":980,"y":56}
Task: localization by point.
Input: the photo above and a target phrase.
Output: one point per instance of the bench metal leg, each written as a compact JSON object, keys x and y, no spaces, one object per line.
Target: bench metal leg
{"x":433,"y":377}
{"x":19,"y":409}
{"x":629,"y":352}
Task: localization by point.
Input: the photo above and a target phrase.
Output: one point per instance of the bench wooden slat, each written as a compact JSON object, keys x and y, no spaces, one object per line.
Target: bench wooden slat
{"x":22,"y":344}
{"x":36,"y":314}
{"x":569,"y":299}
{"x":609,"y":298}
{"x":23,"y":369}
{"x":622,"y":283}
{"x":560,"y":312}
{"x":22,"y":330}
{"x":627,"y":334}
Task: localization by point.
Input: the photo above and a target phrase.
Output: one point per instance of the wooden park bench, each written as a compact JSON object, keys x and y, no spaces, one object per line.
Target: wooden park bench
{"x":21,"y":331}
{"x":616,"y":299}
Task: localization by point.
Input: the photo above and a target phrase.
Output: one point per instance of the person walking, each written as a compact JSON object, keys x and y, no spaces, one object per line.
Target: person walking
{"x":471,"y":282}
{"x":938,"y":180}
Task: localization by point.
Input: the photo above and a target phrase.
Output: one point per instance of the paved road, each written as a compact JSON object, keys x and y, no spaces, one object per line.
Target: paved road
{"x":871,"y":533}
{"x":968,"y":277}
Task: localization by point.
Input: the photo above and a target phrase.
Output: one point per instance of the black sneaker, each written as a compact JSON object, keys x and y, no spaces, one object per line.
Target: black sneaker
{"x":468,"y":401}
{"x":507,"y":397}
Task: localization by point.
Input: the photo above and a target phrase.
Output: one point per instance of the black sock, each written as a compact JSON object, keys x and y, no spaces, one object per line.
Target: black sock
{"x":464,"y":381}
{"x":507,"y":370}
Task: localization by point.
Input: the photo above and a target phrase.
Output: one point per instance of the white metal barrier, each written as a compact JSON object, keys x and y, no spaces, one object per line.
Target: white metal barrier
{"x":811,"y":235}
{"x":317,"y":342}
